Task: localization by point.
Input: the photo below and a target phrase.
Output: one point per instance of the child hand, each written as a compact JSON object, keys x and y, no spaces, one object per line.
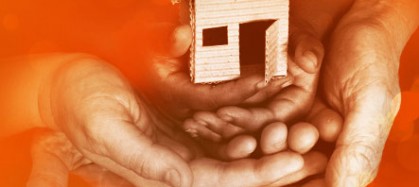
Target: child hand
{"x":287,"y":105}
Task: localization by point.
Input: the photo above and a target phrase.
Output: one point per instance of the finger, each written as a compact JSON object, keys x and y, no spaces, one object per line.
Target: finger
{"x":251,"y":172}
{"x":284,"y":107}
{"x":216,"y":124}
{"x":359,"y":148}
{"x":274,"y":138}
{"x":271,"y":89}
{"x":125,"y":146}
{"x":171,"y":40}
{"x":302,"y":137}
{"x":314,"y":163}
{"x":239,"y":147}
{"x":210,"y":97}
{"x":182,"y":39}
{"x":197,"y":129}
{"x":98,"y":176}
{"x":308,"y":52}
{"x":328,"y":122}
{"x":295,"y":100}
{"x":250,"y":119}
{"x":198,"y":96}
{"x":291,"y":102}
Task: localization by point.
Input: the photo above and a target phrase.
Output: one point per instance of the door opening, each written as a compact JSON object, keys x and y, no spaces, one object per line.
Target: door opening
{"x":252,"y":46}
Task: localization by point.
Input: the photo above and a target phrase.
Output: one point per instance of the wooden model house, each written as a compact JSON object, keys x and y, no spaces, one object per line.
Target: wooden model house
{"x":231,"y":35}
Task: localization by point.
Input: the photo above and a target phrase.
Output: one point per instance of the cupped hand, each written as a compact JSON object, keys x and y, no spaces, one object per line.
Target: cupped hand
{"x":286,"y":101}
{"x":360,"y":80}
{"x":117,"y":129}
{"x":169,"y":84}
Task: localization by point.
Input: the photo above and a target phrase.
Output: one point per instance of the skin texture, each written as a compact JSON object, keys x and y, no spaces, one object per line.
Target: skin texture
{"x":302,"y":137}
{"x":293,"y":99}
{"x":359,"y":81}
{"x":274,"y":138}
{"x":310,"y":22}
{"x":54,"y":156}
{"x":287,"y":98}
{"x":110,"y":125}
{"x":350,"y":81}
{"x":128,"y":119}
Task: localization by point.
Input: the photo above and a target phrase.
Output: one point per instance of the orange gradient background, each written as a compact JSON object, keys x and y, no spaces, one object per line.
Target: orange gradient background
{"x":118,"y":31}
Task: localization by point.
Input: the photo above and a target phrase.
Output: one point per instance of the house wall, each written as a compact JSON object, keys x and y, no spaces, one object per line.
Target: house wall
{"x":220,"y":63}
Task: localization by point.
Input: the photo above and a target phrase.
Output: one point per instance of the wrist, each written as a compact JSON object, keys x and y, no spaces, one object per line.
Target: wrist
{"x":397,"y":19}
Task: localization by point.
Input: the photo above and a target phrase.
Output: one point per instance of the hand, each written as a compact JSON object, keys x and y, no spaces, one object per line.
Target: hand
{"x":360,"y":80}
{"x":53,"y":157}
{"x":169,"y":83}
{"x":175,"y":96}
{"x":110,"y":125}
{"x":283,"y":101}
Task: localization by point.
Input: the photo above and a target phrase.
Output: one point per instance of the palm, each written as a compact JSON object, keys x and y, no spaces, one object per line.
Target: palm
{"x":360,"y":81}
{"x":110,"y":125}
{"x":165,"y":136}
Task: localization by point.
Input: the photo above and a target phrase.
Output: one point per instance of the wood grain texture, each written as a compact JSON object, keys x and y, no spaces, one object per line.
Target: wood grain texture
{"x":221,"y":62}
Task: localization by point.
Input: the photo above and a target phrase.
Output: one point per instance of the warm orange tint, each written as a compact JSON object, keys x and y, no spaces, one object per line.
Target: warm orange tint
{"x":120,"y":31}
{"x":400,"y":164}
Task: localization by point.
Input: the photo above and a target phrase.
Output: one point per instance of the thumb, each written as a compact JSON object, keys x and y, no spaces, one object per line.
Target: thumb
{"x":171,"y":40}
{"x":359,"y":148}
{"x":308,"y":51}
{"x":182,"y":39}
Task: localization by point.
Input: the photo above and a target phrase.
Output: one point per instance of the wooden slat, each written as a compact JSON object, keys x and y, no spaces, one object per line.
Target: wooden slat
{"x":220,"y":63}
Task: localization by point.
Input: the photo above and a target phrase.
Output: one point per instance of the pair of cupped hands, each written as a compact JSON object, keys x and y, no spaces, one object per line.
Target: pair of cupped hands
{"x":109,"y":126}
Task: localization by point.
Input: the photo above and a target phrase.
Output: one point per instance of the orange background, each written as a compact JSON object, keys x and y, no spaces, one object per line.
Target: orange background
{"x":119,"y":35}
{"x":400,"y":164}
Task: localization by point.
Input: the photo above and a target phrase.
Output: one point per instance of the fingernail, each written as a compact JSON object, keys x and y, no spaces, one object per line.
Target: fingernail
{"x":226,"y":118}
{"x":310,"y":59}
{"x":261,"y":85}
{"x":172,"y":177}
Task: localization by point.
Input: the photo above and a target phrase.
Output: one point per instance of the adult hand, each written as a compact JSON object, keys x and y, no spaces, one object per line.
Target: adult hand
{"x":286,"y":104}
{"x":169,"y":83}
{"x":360,"y":80}
{"x":110,"y":125}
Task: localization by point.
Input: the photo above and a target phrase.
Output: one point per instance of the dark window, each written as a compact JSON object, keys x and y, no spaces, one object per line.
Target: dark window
{"x":215,"y":36}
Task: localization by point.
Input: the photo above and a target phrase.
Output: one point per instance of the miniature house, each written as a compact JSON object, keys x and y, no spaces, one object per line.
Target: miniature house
{"x":231,"y":34}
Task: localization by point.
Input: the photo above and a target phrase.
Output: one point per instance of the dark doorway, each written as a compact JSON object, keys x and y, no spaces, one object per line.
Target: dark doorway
{"x":252,"y":46}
